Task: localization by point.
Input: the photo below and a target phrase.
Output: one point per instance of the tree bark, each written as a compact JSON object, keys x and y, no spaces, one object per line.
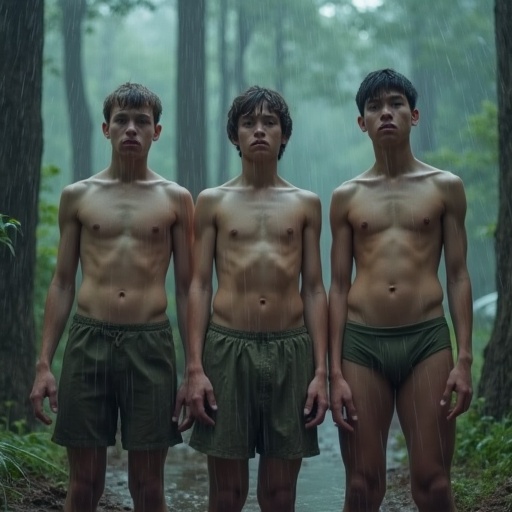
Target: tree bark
{"x":73,"y":14}
{"x":21,"y":43}
{"x":191,"y":107}
{"x":496,"y":379}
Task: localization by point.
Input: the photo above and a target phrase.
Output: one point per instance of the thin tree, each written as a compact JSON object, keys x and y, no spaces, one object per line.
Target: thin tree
{"x":21,"y":132}
{"x":191,"y":105}
{"x":496,"y":379}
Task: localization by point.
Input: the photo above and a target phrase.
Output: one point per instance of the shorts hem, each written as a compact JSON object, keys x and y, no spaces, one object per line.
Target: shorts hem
{"x":153,"y":446}
{"x":211,"y":452}
{"x":83,"y":443}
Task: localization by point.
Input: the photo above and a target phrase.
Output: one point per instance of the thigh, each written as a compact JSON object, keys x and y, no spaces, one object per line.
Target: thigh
{"x":289,"y":365}
{"x":430,"y":437}
{"x":87,"y":414}
{"x":147,"y":390}
{"x":146,"y":465}
{"x":87,"y":465}
{"x":277,"y":482}
{"x":364,"y":450}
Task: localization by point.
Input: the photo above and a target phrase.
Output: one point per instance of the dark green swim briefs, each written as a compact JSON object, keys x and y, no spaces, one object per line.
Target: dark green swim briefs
{"x":395,"y":351}
{"x":117,"y":369}
{"x":260,"y":382}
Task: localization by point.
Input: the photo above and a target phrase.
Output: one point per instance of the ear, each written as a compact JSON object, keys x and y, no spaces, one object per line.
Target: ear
{"x":415,"y":117}
{"x":105,"y":128}
{"x":158,"y":131}
{"x":361,"y":123}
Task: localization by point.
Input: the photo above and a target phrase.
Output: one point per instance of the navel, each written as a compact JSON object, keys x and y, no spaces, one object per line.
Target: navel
{"x":233,"y":232}
{"x":263,"y":301}
{"x":290,"y":231}
{"x":96,"y":227}
{"x":392,"y":288}
{"x":155,"y":229}
{"x":426,"y":221}
{"x":122,"y":294}
{"x":364,"y":225}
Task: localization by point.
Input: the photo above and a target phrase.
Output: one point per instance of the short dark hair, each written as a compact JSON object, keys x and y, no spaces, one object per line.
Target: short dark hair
{"x":132,"y":95}
{"x":382,"y":80}
{"x":252,"y":98}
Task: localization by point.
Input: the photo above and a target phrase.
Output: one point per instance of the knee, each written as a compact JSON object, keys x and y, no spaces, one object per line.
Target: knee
{"x":275,"y":498}
{"x":365,"y":492}
{"x":84,"y":493}
{"x":433,"y":494}
{"x":227,"y":498}
{"x":147,"y":493}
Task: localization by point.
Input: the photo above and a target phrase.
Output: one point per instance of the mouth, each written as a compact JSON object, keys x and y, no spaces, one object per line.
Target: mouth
{"x":259,"y":143}
{"x":131,"y":142}
{"x":387,"y":126}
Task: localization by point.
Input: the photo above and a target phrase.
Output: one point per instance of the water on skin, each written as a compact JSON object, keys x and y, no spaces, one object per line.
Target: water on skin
{"x":320,"y":487}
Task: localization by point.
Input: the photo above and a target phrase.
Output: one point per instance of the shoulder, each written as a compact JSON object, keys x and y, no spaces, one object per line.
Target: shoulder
{"x":348,"y":189}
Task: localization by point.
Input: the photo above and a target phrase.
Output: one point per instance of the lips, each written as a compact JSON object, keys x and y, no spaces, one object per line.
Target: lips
{"x":387,"y":126}
{"x":259,"y":143}
{"x":131,"y":142}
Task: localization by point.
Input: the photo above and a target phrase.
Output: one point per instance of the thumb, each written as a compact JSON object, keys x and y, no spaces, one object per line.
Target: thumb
{"x":308,"y":407}
{"x":52,"y":398}
{"x":210,"y":397}
{"x":446,"y":398}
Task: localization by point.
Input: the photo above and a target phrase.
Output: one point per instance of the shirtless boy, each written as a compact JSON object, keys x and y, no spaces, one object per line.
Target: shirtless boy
{"x":257,"y":362}
{"x":123,"y":225}
{"x":389,"y":340}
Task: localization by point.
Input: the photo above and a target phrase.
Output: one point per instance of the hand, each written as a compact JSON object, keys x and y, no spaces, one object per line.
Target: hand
{"x":316,"y":402}
{"x":181,"y":409}
{"x":459,"y":381}
{"x":342,"y":407}
{"x":44,"y":386}
{"x":200,"y":398}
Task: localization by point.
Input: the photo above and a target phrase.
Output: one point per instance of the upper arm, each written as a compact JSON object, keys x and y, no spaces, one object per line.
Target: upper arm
{"x":454,"y":231}
{"x":182,"y":236}
{"x":341,"y":246}
{"x":69,"y":244}
{"x":311,"y":261}
{"x":205,"y":236}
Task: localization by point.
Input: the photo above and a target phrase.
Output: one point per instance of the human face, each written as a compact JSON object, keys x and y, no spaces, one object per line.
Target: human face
{"x":259,"y":134}
{"x":132,"y":130}
{"x":388,"y":117}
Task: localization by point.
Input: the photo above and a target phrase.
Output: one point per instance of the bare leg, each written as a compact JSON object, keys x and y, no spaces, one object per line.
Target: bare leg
{"x":86,"y":478}
{"x":277,"y":484}
{"x":430,"y":437}
{"x":229,"y":484}
{"x":146,"y":480}
{"x":364,"y":450}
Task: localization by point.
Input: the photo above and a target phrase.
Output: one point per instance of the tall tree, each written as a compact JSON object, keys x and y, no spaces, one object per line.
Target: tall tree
{"x":73,"y":17}
{"x":191,"y":105}
{"x":496,"y":380}
{"x":21,"y":132}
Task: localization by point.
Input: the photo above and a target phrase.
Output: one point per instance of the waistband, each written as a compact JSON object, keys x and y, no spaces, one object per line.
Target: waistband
{"x":258,"y":336}
{"x":108,"y":326}
{"x":400,"y":330}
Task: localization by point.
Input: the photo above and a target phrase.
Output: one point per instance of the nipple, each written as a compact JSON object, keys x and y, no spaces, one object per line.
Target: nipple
{"x":289,"y":231}
{"x":155,"y":229}
{"x":96,"y":227}
{"x":364,"y":225}
{"x":233,"y":232}
{"x":426,"y":221}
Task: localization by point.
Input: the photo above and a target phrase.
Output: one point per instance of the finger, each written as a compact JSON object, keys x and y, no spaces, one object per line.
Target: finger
{"x":350,"y":410}
{"x":447,"y":395}
{"x":186,"y":423}
{"x":340,"y":421}
{"x":309,"y":405}
{"x":210,"y":398}
{"x":52,"y":397}
{"x":180,"y":404}
{"x":319,"y":417}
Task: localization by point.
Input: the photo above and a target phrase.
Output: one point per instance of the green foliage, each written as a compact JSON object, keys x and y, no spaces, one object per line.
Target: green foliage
{"x":23,"y":455}
{"x":8,"y":224}
{"x":483,"y":459}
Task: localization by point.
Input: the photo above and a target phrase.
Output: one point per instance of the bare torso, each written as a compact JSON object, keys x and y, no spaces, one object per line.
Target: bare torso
{"x":397,"y":227}
{"x":258,"y":255}
{"x":125,"y":248}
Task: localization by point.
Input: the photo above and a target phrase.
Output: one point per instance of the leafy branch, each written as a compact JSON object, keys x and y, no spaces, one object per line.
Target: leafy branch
{"x":6,"y":224}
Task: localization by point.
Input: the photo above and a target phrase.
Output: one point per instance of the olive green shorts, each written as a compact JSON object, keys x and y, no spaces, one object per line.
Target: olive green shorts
{"x":112,"y":370}
{"x":395,"y":351}
{"x":260,"y":382}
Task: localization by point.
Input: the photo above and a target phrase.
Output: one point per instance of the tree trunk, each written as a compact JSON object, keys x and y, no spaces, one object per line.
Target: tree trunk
{"x":496,"y":380}
{"x":73,"y":14}
{"x":224,"y":78}
{"x":21,"y":42}
{"x":191,"y":108}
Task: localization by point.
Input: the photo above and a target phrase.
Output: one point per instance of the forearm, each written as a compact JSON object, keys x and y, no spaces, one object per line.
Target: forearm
{"x":57,"y":308}
{"x":181,"y":313}
{"x":461,"y":311}
{"x":337,"y":320}
{"x":315,"y":318}
{"x":199,"y":311}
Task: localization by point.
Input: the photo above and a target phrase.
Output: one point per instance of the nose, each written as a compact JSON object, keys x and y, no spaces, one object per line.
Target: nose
{"x":259,"y":130}
{"x":385,"y":112}
{"x":130,"y":127}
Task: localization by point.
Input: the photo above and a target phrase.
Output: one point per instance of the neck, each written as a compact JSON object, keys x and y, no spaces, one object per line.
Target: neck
{"x":128,"y":169}
{"x":259,"y":174}
{"x":393,"y":161}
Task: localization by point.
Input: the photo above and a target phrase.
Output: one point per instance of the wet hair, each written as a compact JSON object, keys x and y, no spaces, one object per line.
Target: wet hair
{"x":133,"y":96}
{"x":254,"y":98}
{"x":384,"y":80}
